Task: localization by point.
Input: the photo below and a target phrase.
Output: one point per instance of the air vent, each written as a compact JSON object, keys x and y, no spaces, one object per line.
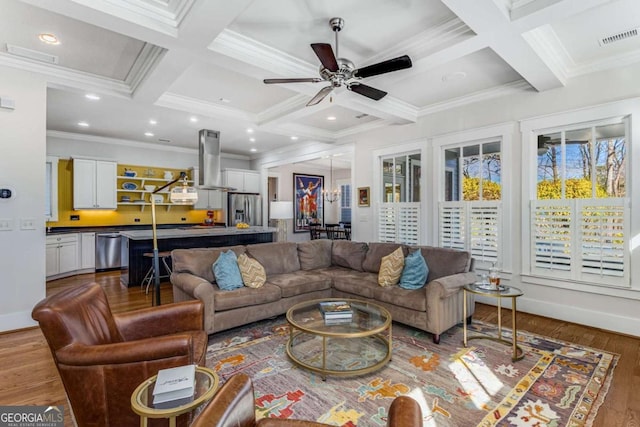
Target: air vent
{"x":164,"y":140}
{"x":32,"y":54}
{"x":618,"y":37}
{"x":361,"y":116}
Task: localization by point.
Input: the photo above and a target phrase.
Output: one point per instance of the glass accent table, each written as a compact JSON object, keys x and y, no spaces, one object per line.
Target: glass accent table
{"x":142,"y":398}
{"x":499,"y":294}
{"x":353,"y":346}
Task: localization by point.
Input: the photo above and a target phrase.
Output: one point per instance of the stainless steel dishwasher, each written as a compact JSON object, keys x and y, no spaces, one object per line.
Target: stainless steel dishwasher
{"x":108,"y":251}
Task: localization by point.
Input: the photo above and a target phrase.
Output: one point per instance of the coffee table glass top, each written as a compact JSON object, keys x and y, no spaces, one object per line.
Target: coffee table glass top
{"x":502,"y":291}
{"x":367,"y":318}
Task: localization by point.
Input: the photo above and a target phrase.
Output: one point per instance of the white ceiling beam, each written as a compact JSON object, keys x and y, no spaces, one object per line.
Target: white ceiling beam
{"x":488,"y":19}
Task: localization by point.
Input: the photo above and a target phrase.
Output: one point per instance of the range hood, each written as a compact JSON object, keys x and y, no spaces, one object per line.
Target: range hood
{"x":210,"y":176}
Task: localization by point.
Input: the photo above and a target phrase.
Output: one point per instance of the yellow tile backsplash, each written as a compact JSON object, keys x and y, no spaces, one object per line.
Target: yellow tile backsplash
{"x":124,"y":215}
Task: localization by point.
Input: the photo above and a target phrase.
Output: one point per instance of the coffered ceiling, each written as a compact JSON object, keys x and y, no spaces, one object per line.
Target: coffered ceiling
{"x":174,"y":61}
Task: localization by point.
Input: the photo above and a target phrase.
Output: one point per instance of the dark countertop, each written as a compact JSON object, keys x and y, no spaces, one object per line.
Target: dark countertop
{"x":118,"y":228}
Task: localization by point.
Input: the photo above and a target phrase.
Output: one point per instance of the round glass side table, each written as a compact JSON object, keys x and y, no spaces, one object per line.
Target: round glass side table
{"x":499,"y":293}
{"x":142,"y":398}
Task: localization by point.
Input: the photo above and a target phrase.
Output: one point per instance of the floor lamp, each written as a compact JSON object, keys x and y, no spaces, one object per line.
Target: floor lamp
{"x":179,"y":195}
{"x":281,"y":212}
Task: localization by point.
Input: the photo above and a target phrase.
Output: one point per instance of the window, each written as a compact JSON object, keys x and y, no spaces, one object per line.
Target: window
{"x":399,"y":212}
{"x":51,"y":189}
{"x":470,"y":216}
{"x":345,"y":203}
{"x":579,"y":214}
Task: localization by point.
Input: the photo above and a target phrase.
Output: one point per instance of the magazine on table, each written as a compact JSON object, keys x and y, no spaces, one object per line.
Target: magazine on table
{"x":174,"y":384}
{"x":335,"y":307}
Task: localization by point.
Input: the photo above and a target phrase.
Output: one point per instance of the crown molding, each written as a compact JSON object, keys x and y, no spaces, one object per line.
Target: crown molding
{"x":64,"y":77}
{"x":365,"y":127}
{"x":250,"y":51}
{"x":546,"y":44}
{"x":282,"y":109}
{"x":144,"y":64}
{"x":113,"y":141}
{"x":196,"y":106}
{"x":506,"y":89}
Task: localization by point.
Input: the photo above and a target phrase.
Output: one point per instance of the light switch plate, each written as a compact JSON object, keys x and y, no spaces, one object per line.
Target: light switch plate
{"x":28,"y":224}
{"x":6,"y":224}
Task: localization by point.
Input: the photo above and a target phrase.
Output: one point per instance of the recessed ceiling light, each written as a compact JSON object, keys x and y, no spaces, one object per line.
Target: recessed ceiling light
{"x":252,"y":139}
{"x":83,"y":124}
{"x":294,"y":138}
{"x":249,"y":130}
{"x":48,"y":38}
{"x":92,"y":96}
{"x":148,"y":134}
{"x":253,"y":150}
{"x":458,"y":75}
{"x":153,"y":122}
{"x":193,"y":119}
{"x":331,"y":118}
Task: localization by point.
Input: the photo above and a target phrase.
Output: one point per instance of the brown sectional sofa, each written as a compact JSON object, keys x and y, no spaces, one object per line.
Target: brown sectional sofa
{"x":323,"y":268}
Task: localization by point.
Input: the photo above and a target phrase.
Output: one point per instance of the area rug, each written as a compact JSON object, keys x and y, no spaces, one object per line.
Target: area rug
{"x":556,"y":384}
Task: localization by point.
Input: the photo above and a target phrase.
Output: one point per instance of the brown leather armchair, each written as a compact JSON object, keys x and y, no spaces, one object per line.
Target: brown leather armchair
{"x":103,"y":357}
{"x":234,"y":406}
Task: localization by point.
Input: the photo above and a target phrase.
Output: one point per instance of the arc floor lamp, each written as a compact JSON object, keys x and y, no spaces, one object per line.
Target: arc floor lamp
{"x":179,"y":195}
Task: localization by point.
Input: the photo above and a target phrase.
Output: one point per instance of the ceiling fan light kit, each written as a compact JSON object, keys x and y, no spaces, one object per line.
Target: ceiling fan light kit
{"x":341,"y":71}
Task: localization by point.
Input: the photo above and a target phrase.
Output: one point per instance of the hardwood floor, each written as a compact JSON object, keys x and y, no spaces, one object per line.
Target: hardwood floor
{"x":29,"y":377}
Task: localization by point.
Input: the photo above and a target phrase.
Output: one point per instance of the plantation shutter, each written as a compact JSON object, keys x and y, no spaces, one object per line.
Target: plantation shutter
{"x":399,"y":223}
{"x":473,"y":227}
{"x":594,"y":231}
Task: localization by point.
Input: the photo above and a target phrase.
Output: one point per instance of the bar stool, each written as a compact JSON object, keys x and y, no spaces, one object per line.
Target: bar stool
{"x":148,"y":278}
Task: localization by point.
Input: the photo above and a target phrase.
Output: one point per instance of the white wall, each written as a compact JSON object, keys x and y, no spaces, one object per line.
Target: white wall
{"x":22,"y":168}
{"x":599,"y":310}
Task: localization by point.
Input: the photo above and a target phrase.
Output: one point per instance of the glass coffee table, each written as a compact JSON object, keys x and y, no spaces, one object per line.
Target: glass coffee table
{"x":142,"y":398}
{"x":342,"y":347}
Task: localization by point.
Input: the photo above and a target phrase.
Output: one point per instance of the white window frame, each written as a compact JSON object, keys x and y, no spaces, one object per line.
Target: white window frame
{"x":349,"y":200}
{"x":51,"y":190}
{"x":530,"y":128}
{"x":405,"y":213}
{"x":467,"y":210}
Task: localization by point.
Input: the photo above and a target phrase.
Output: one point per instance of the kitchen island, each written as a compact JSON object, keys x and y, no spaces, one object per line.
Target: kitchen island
{"x":139,"y":242}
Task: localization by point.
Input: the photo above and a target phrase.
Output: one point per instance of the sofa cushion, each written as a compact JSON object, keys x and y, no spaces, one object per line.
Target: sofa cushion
{"x":356,"y":283}
{"x":226,"y":271}
{"x":414,"y":299}
{"x":445,"y":262}
{"x":276,"y":258}
{"x":244,"y":297}
{"x":252,"y":271}
{"x":391,"y":268}
{"x":198,"y":261}
{"x":300,"y":282}
{"x":314,"y":254}
{"x":415,"y":271}
{"x":345,"y":253}
{"x":376,"y":251}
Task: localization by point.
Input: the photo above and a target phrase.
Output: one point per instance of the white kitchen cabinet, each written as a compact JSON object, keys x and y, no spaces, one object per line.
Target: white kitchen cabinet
{"x":88,"y":251}
{"x":61,"y":254}
{"x":94,"y":184}
{"x":245,"y":181}
{"x":208,"y":199}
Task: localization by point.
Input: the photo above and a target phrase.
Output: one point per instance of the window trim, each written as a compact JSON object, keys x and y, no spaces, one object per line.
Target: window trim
{"x":529,"y":128}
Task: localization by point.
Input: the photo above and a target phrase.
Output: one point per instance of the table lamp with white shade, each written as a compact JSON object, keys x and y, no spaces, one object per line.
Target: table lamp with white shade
{"x":281,"y":211}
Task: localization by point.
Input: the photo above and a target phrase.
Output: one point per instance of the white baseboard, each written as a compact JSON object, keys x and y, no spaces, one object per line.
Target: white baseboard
{"x":596,"y":319}
{"x":17,"y":320}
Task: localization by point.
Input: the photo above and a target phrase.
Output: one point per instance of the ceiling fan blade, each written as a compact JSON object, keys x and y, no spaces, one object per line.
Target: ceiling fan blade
{"x":301,"y":80}
{"x":395,"y":64}
{"x":320,"y":95}
{"x":324,"y":52}
{"x":368,"y":91}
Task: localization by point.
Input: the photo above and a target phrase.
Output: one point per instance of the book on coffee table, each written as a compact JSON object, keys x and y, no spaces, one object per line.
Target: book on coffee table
{"x":336,"y":310}
{"x":174,"y":384}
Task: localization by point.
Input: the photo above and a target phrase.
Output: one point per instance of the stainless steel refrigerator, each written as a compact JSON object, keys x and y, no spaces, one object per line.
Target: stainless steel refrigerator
{"x":244,"y":207}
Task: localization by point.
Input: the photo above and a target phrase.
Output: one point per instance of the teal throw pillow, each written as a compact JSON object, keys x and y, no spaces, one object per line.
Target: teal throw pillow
{"x":227,"y":272}
{"x":415,"y":272}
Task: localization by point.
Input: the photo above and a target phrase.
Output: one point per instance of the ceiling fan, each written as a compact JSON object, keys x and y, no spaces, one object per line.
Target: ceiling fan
{"x":341,"y":71}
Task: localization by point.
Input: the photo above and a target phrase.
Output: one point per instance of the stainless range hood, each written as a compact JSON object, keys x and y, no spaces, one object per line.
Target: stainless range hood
{"x":210,"y":176}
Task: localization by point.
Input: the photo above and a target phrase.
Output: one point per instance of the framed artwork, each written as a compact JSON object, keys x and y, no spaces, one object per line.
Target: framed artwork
{"x":308,"y":207}
{"x":363,"y":196}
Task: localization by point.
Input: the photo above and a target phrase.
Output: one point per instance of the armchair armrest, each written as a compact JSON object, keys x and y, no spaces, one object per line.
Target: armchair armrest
{"x":146,"y":351}
{"x":444,"y":287}
{"x":161,"y":320}
{"x":404,"y":412}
